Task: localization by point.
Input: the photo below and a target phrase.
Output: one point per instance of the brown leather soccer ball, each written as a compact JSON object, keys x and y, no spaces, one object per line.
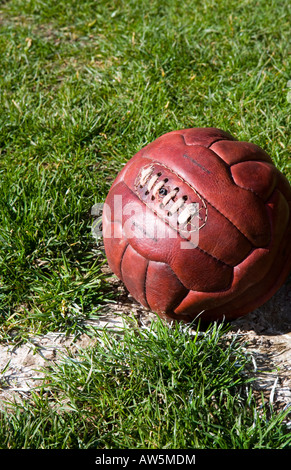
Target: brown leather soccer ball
{"x":198,"y":224}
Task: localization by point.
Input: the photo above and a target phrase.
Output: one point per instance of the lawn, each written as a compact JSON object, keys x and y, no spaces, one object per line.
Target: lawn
{"x":84,"y":85}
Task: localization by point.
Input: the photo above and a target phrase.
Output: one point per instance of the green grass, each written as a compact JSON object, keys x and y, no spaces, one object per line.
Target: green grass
{"x":161,"y":388}
{"x":84,"y":85}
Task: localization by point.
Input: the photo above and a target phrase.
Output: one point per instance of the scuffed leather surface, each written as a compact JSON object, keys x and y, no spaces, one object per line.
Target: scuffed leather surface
{"x":243,"y":255}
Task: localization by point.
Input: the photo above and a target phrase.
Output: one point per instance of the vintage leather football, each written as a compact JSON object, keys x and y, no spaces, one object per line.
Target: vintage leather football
{"x":197,"y":224}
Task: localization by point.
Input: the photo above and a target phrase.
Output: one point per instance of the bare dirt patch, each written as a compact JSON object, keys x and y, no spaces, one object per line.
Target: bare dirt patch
{"x":267,"y":331}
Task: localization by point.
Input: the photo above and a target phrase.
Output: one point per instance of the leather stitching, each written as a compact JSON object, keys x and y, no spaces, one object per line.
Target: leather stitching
{"x":203,"y":198}
{"x":121,"y":259}
{"x":144,"y":285}
{"x":194,"y":247}
{"x":184,"y":181}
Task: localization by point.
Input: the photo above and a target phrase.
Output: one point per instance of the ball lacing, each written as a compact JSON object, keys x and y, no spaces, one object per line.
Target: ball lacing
{"x":147,"y":178}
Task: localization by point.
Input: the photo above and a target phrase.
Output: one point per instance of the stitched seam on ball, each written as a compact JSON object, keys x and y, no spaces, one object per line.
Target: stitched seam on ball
{"x":230,"y":173}
{"x":218,"y":140}
{"x":173,"y":308}
{"x":195,"y":247}
{"x":247,"y":189}
{"x":232,"y":223}
{"x":183,"y":285}
{"x":237,"y":185}
{"x":201,"y":145}
{"x":144,"y":285}
{"x":184,"y":181}
{"x":251,"y":191}
{"x":179,"y":280}
{"x":173,"y":272}
{"x":121,"y":259}
{"x":237,"y":163}
{"x":202,"y":198}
